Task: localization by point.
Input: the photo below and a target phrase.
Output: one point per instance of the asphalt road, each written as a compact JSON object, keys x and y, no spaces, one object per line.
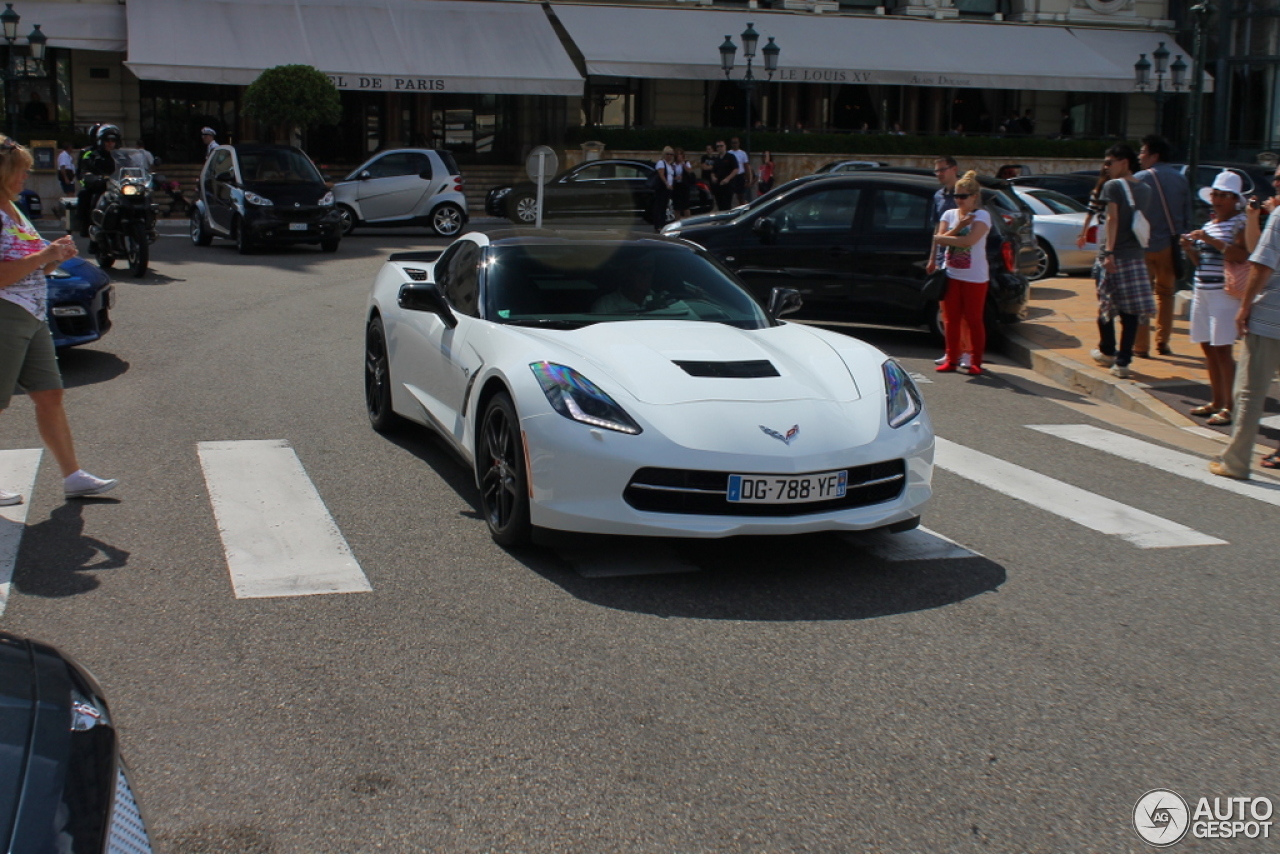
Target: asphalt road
{"x":1015,"y":684}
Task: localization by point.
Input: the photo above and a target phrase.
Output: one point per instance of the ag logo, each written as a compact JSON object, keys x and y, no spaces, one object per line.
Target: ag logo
{"x":1161,"y":817}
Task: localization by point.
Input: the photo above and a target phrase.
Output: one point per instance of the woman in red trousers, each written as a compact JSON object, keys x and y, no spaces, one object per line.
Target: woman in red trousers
{"x":963,"y":233}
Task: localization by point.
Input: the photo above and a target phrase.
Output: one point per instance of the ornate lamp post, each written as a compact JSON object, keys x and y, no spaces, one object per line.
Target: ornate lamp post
{"x":37,"y":41}
{"x":1176,"y":73}
{"x":1199,"y":17}
{"x":728,"y":50}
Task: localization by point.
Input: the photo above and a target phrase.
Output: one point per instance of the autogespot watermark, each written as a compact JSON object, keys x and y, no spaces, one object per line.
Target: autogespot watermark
{"x":1162,"y":817}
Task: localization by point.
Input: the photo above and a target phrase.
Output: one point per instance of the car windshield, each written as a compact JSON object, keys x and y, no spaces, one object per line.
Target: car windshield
{"x":1058,"y":203}
{"x":571,"y":285}
{"x":280,"y":166}
{"x":131,"y":163}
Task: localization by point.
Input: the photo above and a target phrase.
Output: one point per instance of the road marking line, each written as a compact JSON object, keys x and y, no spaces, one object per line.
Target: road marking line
{"x":1144,"y":530}
{"x":1165,"y":459}
{"x":17,"y":474}
{"x":917,"y":544}
{"x":277,"y":534}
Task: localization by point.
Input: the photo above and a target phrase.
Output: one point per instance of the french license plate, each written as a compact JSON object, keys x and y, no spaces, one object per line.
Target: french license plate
{"x":783,"y":489}
{"x":297,"y":226}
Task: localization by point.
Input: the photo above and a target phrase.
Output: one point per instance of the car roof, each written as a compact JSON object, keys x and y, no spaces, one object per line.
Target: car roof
{"x":254,"y":147}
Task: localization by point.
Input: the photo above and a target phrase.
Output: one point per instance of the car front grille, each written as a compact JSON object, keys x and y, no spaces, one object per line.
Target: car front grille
{"x":703,"y":493}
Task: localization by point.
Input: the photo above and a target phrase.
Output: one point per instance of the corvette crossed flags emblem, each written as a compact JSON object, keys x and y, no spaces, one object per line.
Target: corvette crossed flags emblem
{"x":786,"y":440}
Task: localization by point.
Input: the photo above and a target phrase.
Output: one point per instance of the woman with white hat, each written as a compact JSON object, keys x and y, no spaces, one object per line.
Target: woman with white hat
{"x":1212,"y":249}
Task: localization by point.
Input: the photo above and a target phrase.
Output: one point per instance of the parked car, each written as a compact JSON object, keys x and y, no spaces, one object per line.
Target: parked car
{"x":1058,"y":221}
{"x":856,"y":246}
{"x":81,"y":298}
{"x":63,"y":786}
{"x":849,"y":166}
{"x":264,"y":194}
{"x":404,"y":186}
{"x":594,"y":188}
{"x":632,"y":386}
{"x":1074,"y":185}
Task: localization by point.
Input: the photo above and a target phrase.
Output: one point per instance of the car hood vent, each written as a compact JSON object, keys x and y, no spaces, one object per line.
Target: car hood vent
{"x":752,"y":369}
{"x":416,"y":274}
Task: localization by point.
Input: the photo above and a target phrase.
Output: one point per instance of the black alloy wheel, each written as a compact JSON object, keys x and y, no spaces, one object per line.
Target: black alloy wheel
{"x":524,"y":209}
{"x":244,"y":243}
{"x":377,"y":379}
{"x":346,"y":219}
{"x":1046,"y":261}
{"x":200,"y":235}
{"x":504,"y":484}
{"x":137,"y":250}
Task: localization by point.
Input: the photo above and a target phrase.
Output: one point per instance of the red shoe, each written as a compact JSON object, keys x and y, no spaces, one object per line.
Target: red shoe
{"x":946,"y":368}
{"x":975,"y":370}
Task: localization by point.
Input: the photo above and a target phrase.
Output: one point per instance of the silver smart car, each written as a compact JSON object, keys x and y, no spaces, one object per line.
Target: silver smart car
{"x":404,"y":186}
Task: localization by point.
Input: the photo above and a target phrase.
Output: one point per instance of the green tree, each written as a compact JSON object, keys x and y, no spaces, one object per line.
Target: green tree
{"x":290,"y":97}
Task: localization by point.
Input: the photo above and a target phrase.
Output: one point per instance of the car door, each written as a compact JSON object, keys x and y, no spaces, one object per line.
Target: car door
{"x":593,"y":189}
{"x":806,"y":242}
{"x":219,"y":177}
{"x":432,"y":357}
{"x":893,"y":245}
{"x":396,"y":185}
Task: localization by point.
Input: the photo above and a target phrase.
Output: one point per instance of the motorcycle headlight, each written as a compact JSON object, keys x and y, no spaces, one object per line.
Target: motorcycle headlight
{"x":327,"y":201}
{"x":255,"y":199}
{"x":578,"y":399}
{"x":901,"y":395}
{"x":130,"y":190}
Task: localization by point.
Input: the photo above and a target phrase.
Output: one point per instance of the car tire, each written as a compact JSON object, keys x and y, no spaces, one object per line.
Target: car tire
{"x":504,"y":483}
{"x":933,"y":319}
{"x":200,"y":235}
{"x":137,"y":249}
{"x":377,"y":380}
{"x":1046,"y":261}
{"x":347,"y":218}
{"x":330,"y":245}
{"x":244,"y":243}
{"x":524,"y":209}
{"x":447,"y":219}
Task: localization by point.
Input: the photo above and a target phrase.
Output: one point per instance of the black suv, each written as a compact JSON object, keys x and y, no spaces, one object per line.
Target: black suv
{"x":856,"y":246}
{"x":260,"y":194}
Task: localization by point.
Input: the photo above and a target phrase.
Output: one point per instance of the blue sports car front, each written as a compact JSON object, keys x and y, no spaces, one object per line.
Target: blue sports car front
{"x":81,"y":297}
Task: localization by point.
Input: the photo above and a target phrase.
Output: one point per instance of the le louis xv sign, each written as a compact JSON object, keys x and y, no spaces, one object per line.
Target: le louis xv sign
{"x":386,"y":84}
{"x":838,"y":75}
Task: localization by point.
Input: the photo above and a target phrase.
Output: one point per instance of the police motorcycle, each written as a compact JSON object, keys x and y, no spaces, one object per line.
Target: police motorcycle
{"x":123,"y":223}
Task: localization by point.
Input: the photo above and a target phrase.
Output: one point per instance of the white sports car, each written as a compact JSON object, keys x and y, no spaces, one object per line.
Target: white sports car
{"x":632,"y":386}
{"x":1058,"y":221}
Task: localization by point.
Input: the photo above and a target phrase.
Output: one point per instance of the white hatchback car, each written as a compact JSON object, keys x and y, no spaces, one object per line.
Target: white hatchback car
{"x":1058,"y":221}
{"x":404,"y":186}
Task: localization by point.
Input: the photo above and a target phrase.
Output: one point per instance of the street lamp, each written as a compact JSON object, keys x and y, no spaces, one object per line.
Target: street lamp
{"x":1199,"y":16}
{"x":750,"y":38}
{"x":1176,"y":73}
{"x":36,"y":40}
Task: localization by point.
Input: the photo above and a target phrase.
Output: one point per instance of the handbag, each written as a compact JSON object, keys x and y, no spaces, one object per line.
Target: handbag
{"x":936,"y":283}
{"x":1141,"y":228}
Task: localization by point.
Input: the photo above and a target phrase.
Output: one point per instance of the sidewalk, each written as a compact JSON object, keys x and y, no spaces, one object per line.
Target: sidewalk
{"x":1060,"y":332}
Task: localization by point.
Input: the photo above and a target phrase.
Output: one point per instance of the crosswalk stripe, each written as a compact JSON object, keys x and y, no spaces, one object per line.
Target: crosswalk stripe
{"x":1089,"y":509}
{"x":18,"y":474}
{"x":1175,"y":462}
{"x":278,"y":536}
{"x":917,"y":544}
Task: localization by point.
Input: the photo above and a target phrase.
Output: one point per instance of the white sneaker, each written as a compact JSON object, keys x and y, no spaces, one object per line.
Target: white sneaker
{"x":966,"y":360}
{"x":7,"y":498}
{"x":941,"y":360}
{"x":81,"y":484}
{"x":1102,"y":358}
{"x":1121,"y":371}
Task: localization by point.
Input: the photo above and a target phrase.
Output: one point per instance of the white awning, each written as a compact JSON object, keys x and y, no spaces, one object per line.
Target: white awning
{"x":631,"y":41}
{"x":83,"y":26}
{"x":374,"y":45}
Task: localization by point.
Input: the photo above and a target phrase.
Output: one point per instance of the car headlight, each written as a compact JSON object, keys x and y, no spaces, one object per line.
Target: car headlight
{"x":500,"y":192}
{"x":901,"y":395}
{"x":255,"y":199}
{"x":327,"y":201}
{"x":577,"y":398}
{"x":130,"y":190}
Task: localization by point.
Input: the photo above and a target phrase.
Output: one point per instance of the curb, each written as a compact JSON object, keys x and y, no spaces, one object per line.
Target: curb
{"x":1130,"y":395}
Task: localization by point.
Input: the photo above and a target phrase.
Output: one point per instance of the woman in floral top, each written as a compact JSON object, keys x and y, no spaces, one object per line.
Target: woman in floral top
{"x":27,"y":357}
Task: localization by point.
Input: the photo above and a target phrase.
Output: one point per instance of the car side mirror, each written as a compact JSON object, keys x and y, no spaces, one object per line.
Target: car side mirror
{"x":425,"y":296}
{"x":784,"y":301}
{"x":766,"y":229}
{"x":364,"y":175}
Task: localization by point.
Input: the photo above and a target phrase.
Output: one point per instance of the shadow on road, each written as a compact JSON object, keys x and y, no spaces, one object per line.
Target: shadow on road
{"x":81,"y":367}
{"x":56,"y":555}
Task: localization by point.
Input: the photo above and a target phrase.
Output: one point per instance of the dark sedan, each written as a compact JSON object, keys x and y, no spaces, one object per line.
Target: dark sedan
{"x":81,"y":297}
{"x":1074,"y":185}
{"x":595,"y":188}
{"x":856,"y":246}
{"x":62,"y":784}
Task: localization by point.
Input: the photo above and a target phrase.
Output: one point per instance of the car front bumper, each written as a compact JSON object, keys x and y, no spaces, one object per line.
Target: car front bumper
{"x":77,"y":321}
{"x":284,"y":225}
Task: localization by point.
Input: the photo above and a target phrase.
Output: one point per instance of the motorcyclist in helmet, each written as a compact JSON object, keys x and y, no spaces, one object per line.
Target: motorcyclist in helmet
{"x":96,"y":166}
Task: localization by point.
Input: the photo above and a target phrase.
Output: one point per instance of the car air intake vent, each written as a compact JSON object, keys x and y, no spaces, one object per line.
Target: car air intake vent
{"x":416,"y":274}
{"x":733,"y":370}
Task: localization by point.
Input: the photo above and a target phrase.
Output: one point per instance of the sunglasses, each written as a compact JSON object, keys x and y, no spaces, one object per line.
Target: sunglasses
{"x":8,"y":145}
{"x":961,"y":195}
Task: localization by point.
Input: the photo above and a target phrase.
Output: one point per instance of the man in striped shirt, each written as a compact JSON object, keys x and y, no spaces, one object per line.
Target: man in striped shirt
{"x":1259,"y":324}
